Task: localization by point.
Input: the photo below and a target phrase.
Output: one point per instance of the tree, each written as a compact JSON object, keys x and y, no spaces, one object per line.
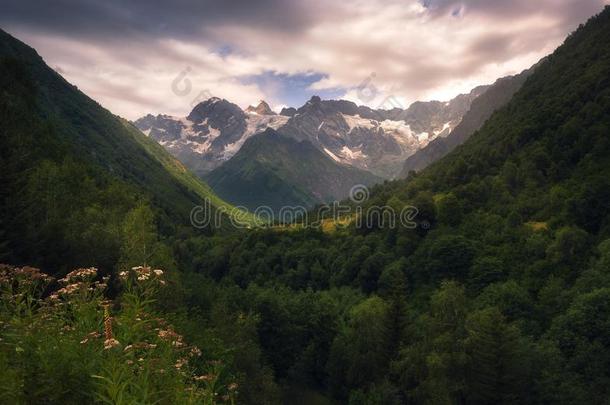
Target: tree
{"x":442,"y":355}
{"x":582,"y":336}
{"x":358,"y":355}
{"x":569,"y":245}
{"x":446,"y":256}
{"x":141,"y":246}
{"x":426,"y":210}
{"x":449,"y":210}
{"x":497,"y":367}
{"x":485,"y":271}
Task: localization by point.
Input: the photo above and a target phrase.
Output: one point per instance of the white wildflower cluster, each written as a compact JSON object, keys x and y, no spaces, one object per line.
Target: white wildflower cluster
{"x":142,"y":273}
{"x":80,"y":281}
{"x":181,"y":363}
{"x":22,"y":275}
{"x":171,"y":336}
{"x":195,"y":352}
{"x":80,"y":275}
{"x":111,"y":343}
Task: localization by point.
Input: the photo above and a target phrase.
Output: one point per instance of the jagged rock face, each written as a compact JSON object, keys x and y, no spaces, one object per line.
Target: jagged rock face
{"x":262,"y":109}
{"x":211,"y":134}
{"x":288,"y":111}
{"x":375,"y":140}
{"x":216,"y":124}
{"x":479,"y":111}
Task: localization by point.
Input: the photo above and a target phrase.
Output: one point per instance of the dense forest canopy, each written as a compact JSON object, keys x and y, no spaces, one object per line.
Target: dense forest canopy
{"x":501,"y":294}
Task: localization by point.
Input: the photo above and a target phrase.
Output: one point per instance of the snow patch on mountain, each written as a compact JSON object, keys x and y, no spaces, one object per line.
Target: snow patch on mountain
{"x":332,"y":155}
{"x":355,"y":121}
{"x":352,"y":154}
{"x":375,"y":140}
{"x":256,"y":123}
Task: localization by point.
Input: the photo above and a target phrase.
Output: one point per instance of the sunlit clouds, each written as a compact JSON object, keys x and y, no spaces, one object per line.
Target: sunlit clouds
{"x":126,"y":56}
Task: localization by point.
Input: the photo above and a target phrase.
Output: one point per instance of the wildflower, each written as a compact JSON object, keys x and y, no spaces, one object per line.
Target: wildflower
{"x":128,"y":348}
{"x":99,"y":286}
{"x":85,"y":340}
{"x":205,"y":377}
{"x":233,"y":386}
{"x":180,"y":363}
{"x":86,"y":274}
{"x":158,"y":272}
{"x":70,"y":289}
{"x":94,"y":335}
{"x":195,"y":351}
{"x":110,"y":343}
{"x":169,"y":334}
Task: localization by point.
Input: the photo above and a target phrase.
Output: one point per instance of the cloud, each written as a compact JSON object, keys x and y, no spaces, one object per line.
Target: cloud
{"x":127,"y":55}
{"x":113,"y":19}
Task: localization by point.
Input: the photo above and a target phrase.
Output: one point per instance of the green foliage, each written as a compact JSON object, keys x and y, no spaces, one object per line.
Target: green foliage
{"x":76,"y":347}
{"x":271,"y":170}
{"x":496,"y":297}
{"x":500,"y":294}
{"x":71,"y":171}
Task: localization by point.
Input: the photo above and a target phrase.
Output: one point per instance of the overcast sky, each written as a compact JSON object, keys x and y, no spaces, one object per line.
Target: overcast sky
{"x":147,"y":56}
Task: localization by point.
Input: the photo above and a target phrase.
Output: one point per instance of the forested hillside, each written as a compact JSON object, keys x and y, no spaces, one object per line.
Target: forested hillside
{"x":72,"y":171}
{"x":481,"y":109}
{"x":499,"y":296}
{"x":500,"y":293}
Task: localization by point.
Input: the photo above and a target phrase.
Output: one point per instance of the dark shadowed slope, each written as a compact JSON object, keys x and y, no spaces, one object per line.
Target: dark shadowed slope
{"x":497,"y":96}
{"x":68,"y":165}
{"x":275,"y":171}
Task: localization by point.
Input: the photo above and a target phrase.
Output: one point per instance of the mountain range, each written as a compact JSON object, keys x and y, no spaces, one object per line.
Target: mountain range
{"x":378,"y":141}
{"x":357,"y":144}
{"x":496,"y":292}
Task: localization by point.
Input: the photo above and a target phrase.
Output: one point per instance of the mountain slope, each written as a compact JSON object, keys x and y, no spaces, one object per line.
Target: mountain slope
{"x":501,"y":294}
{"x":372,"y":140}
{"x":273,"y":170}
{"x":211,"y":134}
{"x":378,"y":141}
{"x":68,"y":163}
{"x":553,"y":129}
{"x":496,"y":96}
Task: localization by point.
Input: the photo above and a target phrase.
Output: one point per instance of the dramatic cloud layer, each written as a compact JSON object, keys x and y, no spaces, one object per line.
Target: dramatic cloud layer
{"x":153,"y":56}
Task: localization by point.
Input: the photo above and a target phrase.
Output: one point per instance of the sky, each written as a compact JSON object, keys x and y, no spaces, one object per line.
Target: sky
{"x":150,"y":56}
